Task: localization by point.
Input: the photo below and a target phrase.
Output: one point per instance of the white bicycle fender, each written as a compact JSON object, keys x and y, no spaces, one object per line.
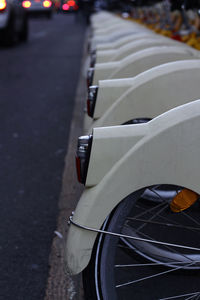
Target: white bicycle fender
{"x":169,"y":153}
{"x":124,"y":40}
{"x":133,"y":47}
{"x":115,"y":36}
{"x":108,"y":91}
{"x":140,"y":62}
{"x":151,"y":94}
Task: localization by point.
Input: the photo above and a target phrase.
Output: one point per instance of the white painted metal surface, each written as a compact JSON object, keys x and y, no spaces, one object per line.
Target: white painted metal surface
{"x":149,"y":94}
{"x":133,"y":47}
{"x":140,"y":62}
{"x":163,"y":151}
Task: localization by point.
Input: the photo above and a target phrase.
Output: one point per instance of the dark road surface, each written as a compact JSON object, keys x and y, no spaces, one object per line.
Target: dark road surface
{"x":37,"y":87}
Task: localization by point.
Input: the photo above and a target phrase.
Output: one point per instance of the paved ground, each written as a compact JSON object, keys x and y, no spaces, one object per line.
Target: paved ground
{"x":60,"y":284}
{"x":38,"y":82}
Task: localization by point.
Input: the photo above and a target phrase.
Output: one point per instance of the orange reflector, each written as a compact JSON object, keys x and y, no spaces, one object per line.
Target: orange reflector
{"x":26,"y":4}
{"x":183,"y":200}
{"x":2,"y":4}
{"x":47,"y":3}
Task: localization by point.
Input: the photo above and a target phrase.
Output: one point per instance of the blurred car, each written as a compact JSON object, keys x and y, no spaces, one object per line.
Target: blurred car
{"x":38,"y":7}
{"x":13,"y":22}
{"x":69,"y":6}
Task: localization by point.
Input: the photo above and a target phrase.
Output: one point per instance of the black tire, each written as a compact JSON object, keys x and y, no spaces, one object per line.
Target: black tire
{"x":103,"y":273}
{"x":9,"y":34}
{"x":23,"y":35}
{"x":49,"y":15}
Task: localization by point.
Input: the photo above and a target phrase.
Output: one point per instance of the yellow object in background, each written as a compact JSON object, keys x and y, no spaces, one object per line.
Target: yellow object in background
{"x":167,"y":33}
{"x":183,"y":200}
{"x":185,"y":38}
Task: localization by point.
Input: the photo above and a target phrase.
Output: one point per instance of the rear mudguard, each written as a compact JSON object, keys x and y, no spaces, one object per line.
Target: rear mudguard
{"x":113,"y":28}
{"x":151,"y":94}
{"x":124,"y":40}
{"x":133,"y":47}
{"x":140,"y":61}
{"x":114,"y":36}
{"x":108,"y":92}
{"x":167,"y":152}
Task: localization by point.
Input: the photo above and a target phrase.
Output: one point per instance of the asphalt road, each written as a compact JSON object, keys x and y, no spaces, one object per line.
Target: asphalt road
{"x":38,"y":82}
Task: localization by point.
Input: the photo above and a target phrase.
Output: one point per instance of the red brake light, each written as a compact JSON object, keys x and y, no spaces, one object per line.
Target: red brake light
{"x":3,"y":4}
{"x":65,"y":6}
{"x":26,"y":4}
{"x":47,"y":3}
{"x":71,"y":3}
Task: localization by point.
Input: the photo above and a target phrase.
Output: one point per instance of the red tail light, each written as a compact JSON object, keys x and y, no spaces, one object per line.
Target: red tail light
{"x":71,"y":3}
{"x":26,"y":4}
{"x":92,"y":96}
{"x":65,"y":6}
{"x":47,"y":3}
{"x":83,"y":157}
{"x":3,"y":5}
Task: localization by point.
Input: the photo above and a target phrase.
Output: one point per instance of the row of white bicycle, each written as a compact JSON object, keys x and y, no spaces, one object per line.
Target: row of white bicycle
{"x":135,"y":231}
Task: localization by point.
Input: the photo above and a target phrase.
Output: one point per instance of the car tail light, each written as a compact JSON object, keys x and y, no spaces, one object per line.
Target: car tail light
{"x":90,"y":75}
{"x":26,"y":4}
{"x":65,"y":6}
{"x":47,"y":3}
{"x":71,"y":3}
{"x":3,"y":5}
{"x":91,"y":101}
{"x":83,"y":157}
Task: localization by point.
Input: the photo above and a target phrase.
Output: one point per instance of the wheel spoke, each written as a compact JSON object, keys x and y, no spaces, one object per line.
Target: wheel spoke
{"x":167,"y":246}
{"x":153,"y":217}
{"x":164,"y":224}
{"x":153,"y":246}
{"x":153,"y":241}
{"x":175,"y":224}
{"x":151,"y":264}
{"x":150,"y":210}
{"x":189,"y":217}
{"x":183,"y":212}
{"x":151,"y":276}
{"x":180,"y":296}
{"x":193,"y":297}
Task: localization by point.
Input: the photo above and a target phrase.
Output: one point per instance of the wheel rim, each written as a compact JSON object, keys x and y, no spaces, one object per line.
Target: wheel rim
{"x":137,"y":267}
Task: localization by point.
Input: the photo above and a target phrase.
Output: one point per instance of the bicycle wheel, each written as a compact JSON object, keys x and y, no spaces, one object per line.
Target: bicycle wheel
{"x":126,"y":269}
